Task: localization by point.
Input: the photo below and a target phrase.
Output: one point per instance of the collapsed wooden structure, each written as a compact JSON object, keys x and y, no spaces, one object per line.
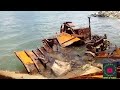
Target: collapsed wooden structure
{"x":39,"y":61}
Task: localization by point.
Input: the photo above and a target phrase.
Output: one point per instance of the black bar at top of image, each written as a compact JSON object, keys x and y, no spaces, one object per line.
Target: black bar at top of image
{"x":58,"y":5}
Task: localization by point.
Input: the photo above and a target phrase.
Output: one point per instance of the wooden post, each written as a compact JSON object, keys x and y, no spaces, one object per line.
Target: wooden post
{"x":89,"y":28}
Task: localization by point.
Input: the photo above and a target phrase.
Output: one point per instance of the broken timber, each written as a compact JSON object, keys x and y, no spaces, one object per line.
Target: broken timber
{"x":114,"y":54}
{"x":97,"y":75}
{"x":66,"y":39}
{"x":27,"y":62}
{"x":36,"y":61}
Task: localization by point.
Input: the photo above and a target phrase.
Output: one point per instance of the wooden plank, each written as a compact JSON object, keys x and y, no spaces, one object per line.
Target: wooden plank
{"x":27,"y":62}
{"x":42,"y":49}
{"x":37,"y":53}
{"x":40,"y":56}
{"x":66,"y":39}
{"x":38,"y":64}
{"x":48,"y":49}
{"x":46,"y":41}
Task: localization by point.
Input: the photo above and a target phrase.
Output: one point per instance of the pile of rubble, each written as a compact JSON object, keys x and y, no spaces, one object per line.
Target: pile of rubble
{"x":58,"y":55}
{"x":71,"y":53}
{"x":113,"y":14}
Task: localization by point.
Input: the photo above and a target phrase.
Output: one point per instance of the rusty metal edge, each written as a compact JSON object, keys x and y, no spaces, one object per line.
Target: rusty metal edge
{"x":88,"y":76}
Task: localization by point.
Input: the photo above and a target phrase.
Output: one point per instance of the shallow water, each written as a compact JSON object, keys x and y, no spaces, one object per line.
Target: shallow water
{"x":23,"y":30}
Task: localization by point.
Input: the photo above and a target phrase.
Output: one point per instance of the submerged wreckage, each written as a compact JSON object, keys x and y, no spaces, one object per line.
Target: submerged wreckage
{"x":61,"y":56}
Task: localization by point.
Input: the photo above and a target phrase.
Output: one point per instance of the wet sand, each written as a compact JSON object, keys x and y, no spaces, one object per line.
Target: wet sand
{"x":14,"y":75}
{"x":87,"y":69}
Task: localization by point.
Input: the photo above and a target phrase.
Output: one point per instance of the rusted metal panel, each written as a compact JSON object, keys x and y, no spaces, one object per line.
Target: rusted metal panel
{"x":102,"y":54}
{"x":98,"y":45}
{"x":66,"y":39}
{"x":95,"y":43}
{"x":40,"y":56}
{"x":82,"y":33}
{"x":46,"y":45}
{"x":98,"y":75}
{"x":42,"y":50}
{"x":27,"y":62}
{"x":116,"y":53}
{"x":38,"y":64}
{"x":47,"y":48}
{"x":38,"y":53}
